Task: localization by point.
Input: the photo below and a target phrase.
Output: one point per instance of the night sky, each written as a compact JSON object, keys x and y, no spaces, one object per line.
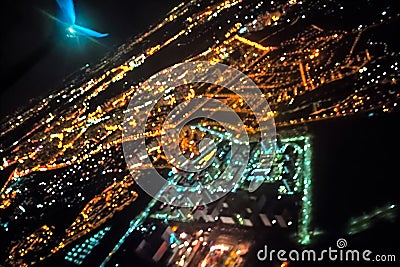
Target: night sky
{"x":36,"y":55}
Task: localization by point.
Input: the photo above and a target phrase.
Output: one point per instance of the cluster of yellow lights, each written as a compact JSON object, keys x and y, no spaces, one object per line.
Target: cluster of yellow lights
{"x":233,"y":30}
{"x":29,"y":244}
{"x":314,"y":54}
{"x":5,"y":199}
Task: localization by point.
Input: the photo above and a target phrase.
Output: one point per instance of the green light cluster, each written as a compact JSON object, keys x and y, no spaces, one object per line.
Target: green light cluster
{"x":388,"y":212}
{"x":302,"y":181}
{"x":79,"y":252}
{"x":302,"y":145}
{"x":304,"y":184}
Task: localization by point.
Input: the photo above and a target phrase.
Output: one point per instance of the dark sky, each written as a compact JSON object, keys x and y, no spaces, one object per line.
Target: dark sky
{"x":35,"y":54}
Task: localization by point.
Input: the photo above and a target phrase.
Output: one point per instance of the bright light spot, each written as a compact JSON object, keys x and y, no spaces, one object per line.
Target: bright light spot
{"x":183,"y":235}
{"x":219,"y":247}
{"x":71,"y":30}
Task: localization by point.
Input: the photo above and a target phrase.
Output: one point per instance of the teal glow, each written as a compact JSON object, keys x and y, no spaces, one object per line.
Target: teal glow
{"x":304,"y":184}
{"x":361,"y":223}
{"x":303,"y":178}
{"x":79,"y":252}
{"x":301,"y":182}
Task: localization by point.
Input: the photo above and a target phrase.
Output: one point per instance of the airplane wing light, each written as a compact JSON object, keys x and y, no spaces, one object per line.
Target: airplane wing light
{"x":68,"y":10}
{"x":89,"y":32}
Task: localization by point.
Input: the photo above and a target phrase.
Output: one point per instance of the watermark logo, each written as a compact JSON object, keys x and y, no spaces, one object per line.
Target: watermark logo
{"x":340,"y":253}
{"x":140,"y":114}
{"x":341,"y":243}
